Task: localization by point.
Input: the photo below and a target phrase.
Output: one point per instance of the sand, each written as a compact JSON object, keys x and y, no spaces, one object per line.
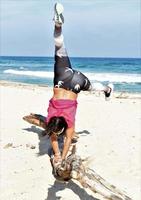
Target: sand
{"x":109,"y":134}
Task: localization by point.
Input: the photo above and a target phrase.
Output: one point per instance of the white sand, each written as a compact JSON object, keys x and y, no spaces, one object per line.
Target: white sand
{"x":110,"y":134}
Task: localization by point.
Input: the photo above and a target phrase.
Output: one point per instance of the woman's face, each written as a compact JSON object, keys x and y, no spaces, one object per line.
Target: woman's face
{"x":58,"y":133}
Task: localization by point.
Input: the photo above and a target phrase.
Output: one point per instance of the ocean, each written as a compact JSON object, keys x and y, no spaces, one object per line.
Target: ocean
{"x":124,"y":73}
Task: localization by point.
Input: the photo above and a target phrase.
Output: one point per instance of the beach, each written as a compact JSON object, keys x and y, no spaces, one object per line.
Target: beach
{"x":109,"y":135}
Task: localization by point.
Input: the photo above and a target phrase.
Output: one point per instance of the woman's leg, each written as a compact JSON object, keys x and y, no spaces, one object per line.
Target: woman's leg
{"x":61,"y":56}
{"x":62,"y":60}
{"x":98,"y":87}
{"x":107,"y":89}
{"x":62,"y":65}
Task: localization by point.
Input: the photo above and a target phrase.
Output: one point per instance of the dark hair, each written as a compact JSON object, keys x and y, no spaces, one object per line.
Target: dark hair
{"x":55,"y":125}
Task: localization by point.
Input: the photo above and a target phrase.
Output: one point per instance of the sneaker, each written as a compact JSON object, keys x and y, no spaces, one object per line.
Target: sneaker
{"x":109,"y":92}
{"x":58,"y":17}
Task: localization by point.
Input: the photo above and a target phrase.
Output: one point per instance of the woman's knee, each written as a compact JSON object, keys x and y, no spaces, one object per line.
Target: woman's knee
{"x":59,"y":41}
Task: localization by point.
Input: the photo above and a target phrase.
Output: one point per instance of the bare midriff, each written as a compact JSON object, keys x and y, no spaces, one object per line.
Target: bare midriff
{"x":60,"y":93}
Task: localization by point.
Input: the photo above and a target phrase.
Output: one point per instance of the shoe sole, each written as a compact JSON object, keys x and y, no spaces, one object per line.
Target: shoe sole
{"x":58,"y":8}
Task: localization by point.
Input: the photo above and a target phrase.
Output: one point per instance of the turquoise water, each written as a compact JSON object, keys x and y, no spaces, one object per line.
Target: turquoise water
{"x":124,"y":73}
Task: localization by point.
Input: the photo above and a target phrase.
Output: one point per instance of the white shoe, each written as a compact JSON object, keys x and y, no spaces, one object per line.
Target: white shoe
{"x":109,"y":93}
{"x":58,"y":10}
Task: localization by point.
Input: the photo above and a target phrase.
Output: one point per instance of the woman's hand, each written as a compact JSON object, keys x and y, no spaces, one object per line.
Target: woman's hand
{"x":57,"y":160}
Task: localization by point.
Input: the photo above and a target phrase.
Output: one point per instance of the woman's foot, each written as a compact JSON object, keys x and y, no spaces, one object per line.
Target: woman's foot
{"x":108,"y":92}
{"x":58,"y":17}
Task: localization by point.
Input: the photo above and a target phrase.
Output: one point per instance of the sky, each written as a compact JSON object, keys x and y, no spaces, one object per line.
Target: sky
{"x":92,"y":28}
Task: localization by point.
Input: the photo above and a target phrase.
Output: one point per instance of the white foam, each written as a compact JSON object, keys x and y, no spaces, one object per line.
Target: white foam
{"x":114,"y":77}
{"x":40,"y":74}
{"x":110,"y":77}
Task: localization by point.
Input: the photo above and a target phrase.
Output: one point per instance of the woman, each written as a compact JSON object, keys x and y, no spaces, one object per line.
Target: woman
{"x":67,"y":84}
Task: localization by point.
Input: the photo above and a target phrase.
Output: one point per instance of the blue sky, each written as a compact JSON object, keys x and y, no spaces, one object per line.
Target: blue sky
{"x":94,"y":28}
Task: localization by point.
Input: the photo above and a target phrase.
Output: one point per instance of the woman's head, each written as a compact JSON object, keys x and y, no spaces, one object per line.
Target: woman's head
{"x":56,"y":125}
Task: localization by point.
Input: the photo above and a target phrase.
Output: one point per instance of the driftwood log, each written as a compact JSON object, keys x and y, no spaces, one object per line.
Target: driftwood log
{"x":74,"y":168}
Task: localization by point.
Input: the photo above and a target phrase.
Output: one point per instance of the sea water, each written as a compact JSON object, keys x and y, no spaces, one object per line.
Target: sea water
{"x":124,"y":73}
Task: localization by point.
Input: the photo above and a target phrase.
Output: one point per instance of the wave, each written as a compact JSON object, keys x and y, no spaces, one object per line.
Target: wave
{"x":111,"y":77}
{"x":115,"y":77}
{"x":40,"y":74}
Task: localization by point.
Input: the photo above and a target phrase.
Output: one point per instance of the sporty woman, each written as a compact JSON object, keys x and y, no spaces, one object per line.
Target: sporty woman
{"x":67,"y":85}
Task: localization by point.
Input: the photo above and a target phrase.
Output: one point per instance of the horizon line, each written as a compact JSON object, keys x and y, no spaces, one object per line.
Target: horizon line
{"x":34,"y":56}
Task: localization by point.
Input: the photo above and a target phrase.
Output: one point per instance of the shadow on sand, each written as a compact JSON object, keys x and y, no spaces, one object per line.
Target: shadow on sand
{"x":44,"y":141}
{"x":58,"y":186}
{"x":45,"y":148}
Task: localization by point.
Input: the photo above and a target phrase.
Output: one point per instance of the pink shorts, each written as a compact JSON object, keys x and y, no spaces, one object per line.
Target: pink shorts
{"x":62,"y":108}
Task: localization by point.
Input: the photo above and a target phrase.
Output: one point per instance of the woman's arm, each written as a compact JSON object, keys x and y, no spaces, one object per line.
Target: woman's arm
{"x":67,"y":142}
{"x":54,"y":143}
